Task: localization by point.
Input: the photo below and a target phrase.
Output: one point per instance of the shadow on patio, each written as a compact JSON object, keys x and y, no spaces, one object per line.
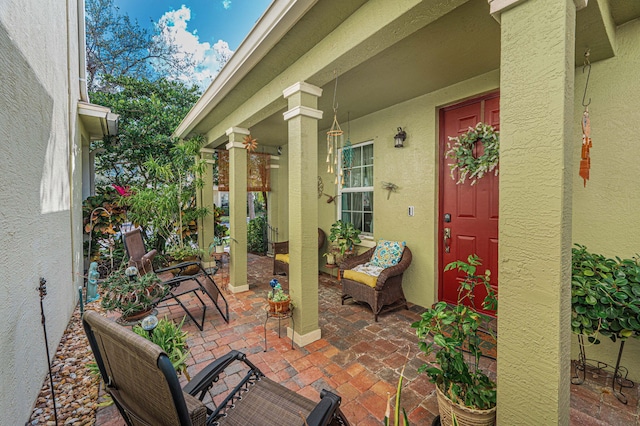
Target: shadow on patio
{"x":356,"y":357}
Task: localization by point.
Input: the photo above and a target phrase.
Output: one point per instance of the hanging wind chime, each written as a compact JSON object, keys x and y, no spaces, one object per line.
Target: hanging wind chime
{"x":585,"y":157}
{"x":347,"y":151}
{"x":334,"y":139}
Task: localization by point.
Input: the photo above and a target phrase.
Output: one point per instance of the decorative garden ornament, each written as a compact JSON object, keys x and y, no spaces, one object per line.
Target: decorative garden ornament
{"x":334,"y":138}
{"x":585,"y":157}
{"x":250,"y":143}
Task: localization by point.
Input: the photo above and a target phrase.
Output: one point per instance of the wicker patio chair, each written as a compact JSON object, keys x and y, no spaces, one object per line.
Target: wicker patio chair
{"x":174,"y":277}
{"x":145,"y":388}
{"x":281,"y":254}
{"x":386,"y":294}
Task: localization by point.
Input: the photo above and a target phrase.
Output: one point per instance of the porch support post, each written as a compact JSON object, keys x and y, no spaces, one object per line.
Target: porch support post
{"x":237,"y":209}
{"x":536,"y":133}
{"x":204,"y":198}
{"x":302,"y":118}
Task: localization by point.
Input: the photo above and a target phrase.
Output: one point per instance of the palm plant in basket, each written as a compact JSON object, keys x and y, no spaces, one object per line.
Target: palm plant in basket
{"x":463,"y":388}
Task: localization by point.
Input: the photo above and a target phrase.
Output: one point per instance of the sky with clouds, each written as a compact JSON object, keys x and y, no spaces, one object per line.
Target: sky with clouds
{"x":207,"y":29}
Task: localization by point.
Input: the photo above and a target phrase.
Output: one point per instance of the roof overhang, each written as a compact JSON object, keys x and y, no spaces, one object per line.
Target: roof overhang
{"x":277,"y":20}
{"x":98,"y":120}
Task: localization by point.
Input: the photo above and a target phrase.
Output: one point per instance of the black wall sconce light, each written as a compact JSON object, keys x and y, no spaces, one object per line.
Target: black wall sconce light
{"x":399,"y":138}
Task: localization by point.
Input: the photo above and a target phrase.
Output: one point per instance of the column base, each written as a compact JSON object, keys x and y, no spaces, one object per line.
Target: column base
{"x":305,"y":339}
{"x":238,"y":289}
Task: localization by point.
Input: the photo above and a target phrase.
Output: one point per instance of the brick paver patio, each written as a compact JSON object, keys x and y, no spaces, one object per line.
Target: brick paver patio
{"x":357,"y":358}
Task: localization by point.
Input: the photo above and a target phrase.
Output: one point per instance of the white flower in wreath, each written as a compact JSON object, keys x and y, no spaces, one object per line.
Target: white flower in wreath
{"x":461,"y":151}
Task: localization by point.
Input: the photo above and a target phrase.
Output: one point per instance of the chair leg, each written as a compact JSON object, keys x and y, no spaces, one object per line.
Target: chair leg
{"x":200,"y":324}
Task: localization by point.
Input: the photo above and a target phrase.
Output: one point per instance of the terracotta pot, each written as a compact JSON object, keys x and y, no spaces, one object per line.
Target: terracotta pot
{"x":466,"y":416}
{"x":279,"y":307}
{"x":136,"y":317}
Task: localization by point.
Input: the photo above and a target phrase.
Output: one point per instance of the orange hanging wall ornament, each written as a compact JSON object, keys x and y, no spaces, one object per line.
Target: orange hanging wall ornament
{"x":585,"y":161}
{"x":585,"y":157}
{"x":250,"y":143}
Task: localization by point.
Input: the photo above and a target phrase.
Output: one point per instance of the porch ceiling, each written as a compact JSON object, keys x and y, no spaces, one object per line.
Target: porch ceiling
{"x":460,"y":45}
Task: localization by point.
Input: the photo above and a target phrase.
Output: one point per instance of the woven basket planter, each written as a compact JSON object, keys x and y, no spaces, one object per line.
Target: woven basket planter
{"x":466,"y":416}
{"x":279,"y":307}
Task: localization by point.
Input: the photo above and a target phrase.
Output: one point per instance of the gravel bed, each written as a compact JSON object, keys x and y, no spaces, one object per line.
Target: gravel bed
{"x":76,"y":389}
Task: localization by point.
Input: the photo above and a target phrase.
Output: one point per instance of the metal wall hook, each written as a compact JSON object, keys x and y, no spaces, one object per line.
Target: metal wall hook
{"x":586,"y":65}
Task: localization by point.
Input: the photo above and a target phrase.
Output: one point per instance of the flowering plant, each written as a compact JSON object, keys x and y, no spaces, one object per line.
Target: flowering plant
{"x":277,"y":294}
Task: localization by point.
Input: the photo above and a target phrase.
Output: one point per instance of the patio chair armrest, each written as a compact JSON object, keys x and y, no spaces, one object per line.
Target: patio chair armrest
{"x":323,"y":413}
{"x":202,"y":381}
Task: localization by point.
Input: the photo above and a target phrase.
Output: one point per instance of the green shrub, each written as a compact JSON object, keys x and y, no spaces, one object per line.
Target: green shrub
{"x":257,"y":235}
{"x":170,"y":337}
{"x":605,"y":296}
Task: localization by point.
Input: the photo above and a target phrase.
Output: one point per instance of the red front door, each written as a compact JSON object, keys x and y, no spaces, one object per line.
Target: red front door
{"x":468,"y":220}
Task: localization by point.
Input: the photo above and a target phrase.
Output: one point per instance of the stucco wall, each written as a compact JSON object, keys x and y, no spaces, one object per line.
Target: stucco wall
{"x":414,"y":169}
{"x":36,"y":219}
{"x":605,"y":213}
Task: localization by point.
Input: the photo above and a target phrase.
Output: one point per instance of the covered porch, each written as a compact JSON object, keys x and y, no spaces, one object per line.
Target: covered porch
{"x":359,"y":359}
{"x":384,"y":65}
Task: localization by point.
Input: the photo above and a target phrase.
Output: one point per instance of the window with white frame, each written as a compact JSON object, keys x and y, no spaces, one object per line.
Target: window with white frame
{"x":355,"y":187}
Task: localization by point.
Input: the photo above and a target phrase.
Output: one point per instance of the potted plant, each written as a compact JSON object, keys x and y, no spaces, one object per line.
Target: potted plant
{"x":331,"y":258}
{"x":345,"y":236}
{"x":605,"y":296}
{"x":279,"y":301}
{"x":132,"y":295}
{"x":217,"y":246}
{"x":450,"y":331}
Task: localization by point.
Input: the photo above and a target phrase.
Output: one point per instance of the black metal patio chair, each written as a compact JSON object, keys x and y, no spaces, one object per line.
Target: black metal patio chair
{"x":179,"y":283}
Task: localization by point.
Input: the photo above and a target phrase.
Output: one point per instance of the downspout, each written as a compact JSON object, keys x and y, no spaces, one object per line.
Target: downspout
{"x":82,"y":52}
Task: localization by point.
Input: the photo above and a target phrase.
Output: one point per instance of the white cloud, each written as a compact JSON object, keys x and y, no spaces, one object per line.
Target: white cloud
{"x":226,"y":4}
{"x":207,"y":60}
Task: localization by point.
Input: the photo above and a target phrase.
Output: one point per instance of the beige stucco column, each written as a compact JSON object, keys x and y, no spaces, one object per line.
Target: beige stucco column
{"x":536,"y":133}
{"x":302,"y":118}
{"x":204,"y":198}
{"x":237,"y":209}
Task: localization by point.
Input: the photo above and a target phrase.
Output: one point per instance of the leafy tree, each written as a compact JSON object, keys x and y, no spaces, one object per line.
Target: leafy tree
{"x":167,"y":205}
{"x":149,"y":113}
{"x":118,"y":46}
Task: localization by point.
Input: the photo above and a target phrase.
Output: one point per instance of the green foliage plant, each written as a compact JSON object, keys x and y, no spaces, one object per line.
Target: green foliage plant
{"x":344,"y":235}
{"x":184,"y":252}
{"x":149,"y":113}
{"x":131,"y":296}
{"x":168,"y":207}
{"x":448,"y":330}
{"x":605,"y":296}
{"x":396,"y":412}
{"x":171,"y":338}
{"x":256,"y":235}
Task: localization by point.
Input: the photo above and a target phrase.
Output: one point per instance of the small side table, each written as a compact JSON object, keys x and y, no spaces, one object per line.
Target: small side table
{"x":331,"y":267}
{"x":279,"y":316}
{"x":219,"y":258}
